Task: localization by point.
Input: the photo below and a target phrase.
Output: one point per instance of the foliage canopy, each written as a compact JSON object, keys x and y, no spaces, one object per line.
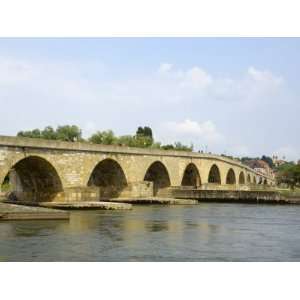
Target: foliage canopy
{"x":72,"y":133}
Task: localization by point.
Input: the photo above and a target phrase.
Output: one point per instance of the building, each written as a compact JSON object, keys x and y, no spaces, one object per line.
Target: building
{"x":260,"y":166}
{"x":278,"y":162}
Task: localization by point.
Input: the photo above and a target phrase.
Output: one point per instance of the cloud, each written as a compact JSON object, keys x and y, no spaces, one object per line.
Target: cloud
{"x":66,"y":81}
{"x":251,"y":90}
{"x":264,"y":76}
{"x":196,"y":78}
{"x":192,"y":130}
{"x":171,"y":100}
{"x":165,"y":67}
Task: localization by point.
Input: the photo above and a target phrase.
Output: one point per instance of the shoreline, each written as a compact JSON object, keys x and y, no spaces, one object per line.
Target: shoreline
{"x":59,"y":210}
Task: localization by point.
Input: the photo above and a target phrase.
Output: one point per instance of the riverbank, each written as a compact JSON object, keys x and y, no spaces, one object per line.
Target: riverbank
{"x":291,"y":196}
{"x":21,"y":212}
{"x":273,"y":196}
{"x":156,"y":200}
{"x":177,"y":196}
{"x":87,"y":205}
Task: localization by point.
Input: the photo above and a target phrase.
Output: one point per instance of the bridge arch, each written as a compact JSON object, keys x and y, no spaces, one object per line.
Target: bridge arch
{"x":109,"y":176}
{"x":214,"y":175}
{"x":33,"y":179}
{"x":191,"y":176}
{"x":242,"y":178}
{"x":265,"y":181}
{"x":159,"y":175}
{"x":248,"y":178}
{"x":254,"y":179}
{"x":260,"y":180}
{"x":230,"y":177}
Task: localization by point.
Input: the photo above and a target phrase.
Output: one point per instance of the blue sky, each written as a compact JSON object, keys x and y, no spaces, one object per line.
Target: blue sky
{"x":233,"y":95}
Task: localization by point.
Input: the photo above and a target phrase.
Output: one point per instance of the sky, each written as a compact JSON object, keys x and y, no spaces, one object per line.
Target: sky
{"x":237,"y":96}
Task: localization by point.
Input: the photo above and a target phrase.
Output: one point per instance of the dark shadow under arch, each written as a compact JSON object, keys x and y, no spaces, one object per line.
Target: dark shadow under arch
{"x":248,"y":178}
{"x":108,"y":175}
{"x":158,"y":174}
{"x":265,"y":181}
{"x":191,"y":176}
{"x":242,"y":178}
{"x":230,"y":177}
{"x":254,"y":180}
{"x":214,"y":175}
{"x":33,"y":179}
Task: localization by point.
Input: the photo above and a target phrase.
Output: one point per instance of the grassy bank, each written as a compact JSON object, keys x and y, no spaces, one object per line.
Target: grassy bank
{"x":290,"y":194}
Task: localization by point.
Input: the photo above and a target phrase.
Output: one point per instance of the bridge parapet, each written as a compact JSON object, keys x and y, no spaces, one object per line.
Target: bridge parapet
{"x":45,"y":167}
{"x":21,"y":142}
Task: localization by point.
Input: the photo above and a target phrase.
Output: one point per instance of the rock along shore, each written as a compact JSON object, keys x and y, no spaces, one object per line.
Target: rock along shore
{"x":21,"y":212}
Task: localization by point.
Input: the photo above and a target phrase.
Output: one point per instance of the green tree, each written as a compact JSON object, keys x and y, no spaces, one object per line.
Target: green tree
{"x":145,"y":131}
{"x":49,"y":133}
{"x":289,"y":174}
{"x":156,"y":145}
{"x":96,"y":138}
{"x":177,"y":146}
{"x":245,"y":159}
{"x":168,"y":147}
{"x":35,"y":133}
{"x":268,"y":160}
{"x":108,"y":137}
{"x":126,"y":140}
{"x":144,"y":137}
{"x":69,"y":133}
{"x":143,"y":141}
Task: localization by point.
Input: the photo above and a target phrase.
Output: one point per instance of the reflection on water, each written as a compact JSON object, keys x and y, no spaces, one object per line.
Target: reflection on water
{"x":206,"y":232}
{"x":157,"y":226}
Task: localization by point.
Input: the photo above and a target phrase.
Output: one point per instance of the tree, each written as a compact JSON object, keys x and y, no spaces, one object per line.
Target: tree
{"x":72,"y":133}
{"x":108,"y":137}
{"x":247,"y":159}
{"x":178,"y":146}
{"x":168,"y":147}
{"x":139,"y":141}
{"x":156,"y":145}
{"x":35,"y":133}
{"x":69,"y":133}
{"x":289,"y":174}
{"x":268,"y":160}
{"x":142,"y":141}
{"x":126,"y":140}
{"x":49,"y":133}
{"x":103,"y":137}
{"x":96,"y":138}
{"x":144,"y":131}
{"x":64,"y":133}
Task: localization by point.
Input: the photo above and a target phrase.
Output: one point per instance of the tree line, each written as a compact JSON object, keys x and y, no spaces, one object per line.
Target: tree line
{"x":143,"y":138}
{"x":289,"y":174}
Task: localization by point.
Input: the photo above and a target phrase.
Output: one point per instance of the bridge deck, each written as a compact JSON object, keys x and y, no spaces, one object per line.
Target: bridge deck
{"x":10,"y":141}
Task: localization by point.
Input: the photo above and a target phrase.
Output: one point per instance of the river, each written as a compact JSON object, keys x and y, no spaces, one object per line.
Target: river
{"x":204,"y":232}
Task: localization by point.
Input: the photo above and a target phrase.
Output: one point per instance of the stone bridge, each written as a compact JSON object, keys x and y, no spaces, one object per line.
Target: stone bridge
{"x":44,"y":170}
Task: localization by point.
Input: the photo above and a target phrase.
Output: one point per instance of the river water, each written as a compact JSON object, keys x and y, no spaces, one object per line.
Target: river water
{"x":204,"y":232}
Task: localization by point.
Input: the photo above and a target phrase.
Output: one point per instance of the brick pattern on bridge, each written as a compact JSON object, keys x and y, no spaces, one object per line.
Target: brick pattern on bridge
{"x":75,"y":162}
